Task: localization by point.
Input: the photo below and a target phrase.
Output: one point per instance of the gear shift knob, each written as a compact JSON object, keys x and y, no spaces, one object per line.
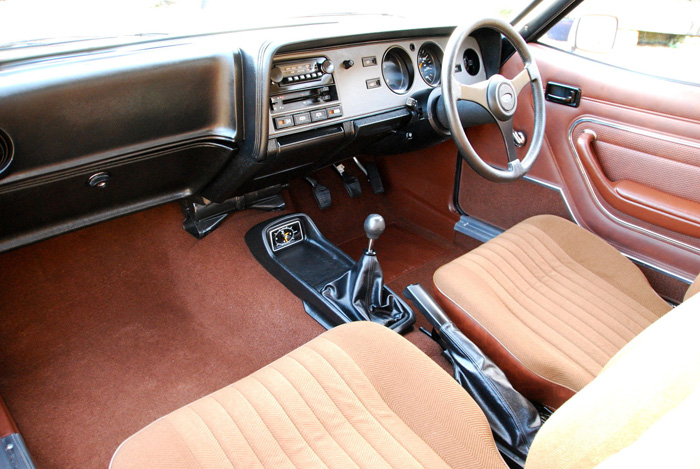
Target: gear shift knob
{"x":374,"y":227}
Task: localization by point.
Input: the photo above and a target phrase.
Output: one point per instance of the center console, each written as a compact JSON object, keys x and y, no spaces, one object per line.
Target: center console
{"x":334,"y":288}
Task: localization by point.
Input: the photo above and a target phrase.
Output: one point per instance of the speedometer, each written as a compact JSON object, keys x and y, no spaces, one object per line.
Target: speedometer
{"x":430,"y":63}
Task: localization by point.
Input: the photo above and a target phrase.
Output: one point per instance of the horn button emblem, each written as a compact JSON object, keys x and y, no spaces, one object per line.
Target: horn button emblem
{"x":507,"y":100}
{"x":502,"y":98}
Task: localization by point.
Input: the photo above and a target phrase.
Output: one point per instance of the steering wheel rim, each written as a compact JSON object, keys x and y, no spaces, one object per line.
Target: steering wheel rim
{"x":498,"y":95}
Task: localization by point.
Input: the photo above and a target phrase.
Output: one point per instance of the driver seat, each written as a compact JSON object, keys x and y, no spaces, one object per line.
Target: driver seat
{"x":550,"y":303}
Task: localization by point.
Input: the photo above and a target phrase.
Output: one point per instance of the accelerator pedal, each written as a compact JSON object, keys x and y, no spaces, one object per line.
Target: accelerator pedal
{"x":371,"y":170}
{"x":351,"y":183}
{"x":320,"y":192}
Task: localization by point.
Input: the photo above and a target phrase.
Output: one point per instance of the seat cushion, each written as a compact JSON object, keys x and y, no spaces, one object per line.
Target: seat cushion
{"x":549,"y":302}
{"x":358,"y":395}
{"x":640,"y":411}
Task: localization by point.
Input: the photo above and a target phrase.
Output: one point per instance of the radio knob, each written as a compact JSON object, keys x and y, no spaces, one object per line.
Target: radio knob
{"x":327,"y":66}
{"x":276,"y":75}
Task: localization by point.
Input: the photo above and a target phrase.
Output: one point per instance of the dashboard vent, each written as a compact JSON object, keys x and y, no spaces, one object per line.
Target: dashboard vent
{"x":471,"y":62}
{"x":6,"y":151}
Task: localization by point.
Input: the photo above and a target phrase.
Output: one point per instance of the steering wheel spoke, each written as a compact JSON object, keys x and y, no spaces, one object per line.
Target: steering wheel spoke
{"x":506,"y":128}
{"x":475,"y":92}
{"x":521,"y":80}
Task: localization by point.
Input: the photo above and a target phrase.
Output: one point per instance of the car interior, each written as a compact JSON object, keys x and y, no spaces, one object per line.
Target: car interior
{"x":349,"y":242}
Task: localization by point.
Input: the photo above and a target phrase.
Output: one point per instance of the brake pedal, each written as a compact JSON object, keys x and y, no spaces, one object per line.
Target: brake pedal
{"x":351,"y":183}
{"x":371,"y":170}
{"x":320,"y":192}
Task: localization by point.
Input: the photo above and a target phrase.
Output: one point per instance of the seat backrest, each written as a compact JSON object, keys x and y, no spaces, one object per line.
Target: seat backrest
{"x":643,"y":408}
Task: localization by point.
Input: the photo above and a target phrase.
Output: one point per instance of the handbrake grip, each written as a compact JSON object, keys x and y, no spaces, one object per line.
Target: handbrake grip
{"x":426,"y":305}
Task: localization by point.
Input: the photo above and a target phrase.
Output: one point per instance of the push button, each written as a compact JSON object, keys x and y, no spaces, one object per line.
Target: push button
{"x":319,"y":115}
{"x":369,"y":61}
{"x":283,"y":122}
{"x":303,"y":118}
{"x":373,"y":83}
{"x":334,"y":111}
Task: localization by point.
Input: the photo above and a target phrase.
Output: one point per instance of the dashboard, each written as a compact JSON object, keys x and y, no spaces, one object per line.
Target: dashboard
{"x":89,"y":135}
{"x":358,"y":80}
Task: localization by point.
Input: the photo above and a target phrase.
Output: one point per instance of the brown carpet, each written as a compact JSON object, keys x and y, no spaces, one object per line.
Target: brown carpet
{"x":399,"y":250}
{"x":108,"y":328}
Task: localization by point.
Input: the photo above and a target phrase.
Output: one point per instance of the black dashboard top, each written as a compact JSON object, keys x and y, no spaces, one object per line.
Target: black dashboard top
{"x":211,"y":116}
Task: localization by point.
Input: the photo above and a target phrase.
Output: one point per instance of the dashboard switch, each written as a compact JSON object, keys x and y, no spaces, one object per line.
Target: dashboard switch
{"x":319,"y":115}
{"x":373,"y":83}
{"x":303,"y":118}
{"x":283,"y":122}
{"x":335,"y":111}
{"x":369,"y":61}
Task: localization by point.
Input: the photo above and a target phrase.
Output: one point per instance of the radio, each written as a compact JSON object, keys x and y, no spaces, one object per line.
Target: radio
{"x":302,"y":71}
{"x":303,"y":92}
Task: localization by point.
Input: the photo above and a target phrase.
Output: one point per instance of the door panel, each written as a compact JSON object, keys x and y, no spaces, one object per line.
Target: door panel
{"x":642,"y":176}
{"x":627,"y":160}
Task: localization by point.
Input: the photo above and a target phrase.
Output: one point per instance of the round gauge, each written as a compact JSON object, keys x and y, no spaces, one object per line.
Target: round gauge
{"x":283,"y":236}
{"x":471,"y":62}
{"x":430,"y":63}
{"x":397,"y":70}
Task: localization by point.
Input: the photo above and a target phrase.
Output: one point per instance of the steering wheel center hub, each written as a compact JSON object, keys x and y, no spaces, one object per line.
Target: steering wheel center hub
{"x":501,"y":97}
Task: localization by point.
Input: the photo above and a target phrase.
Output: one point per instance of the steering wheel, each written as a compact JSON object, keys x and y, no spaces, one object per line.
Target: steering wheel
{"x":499,"y":96}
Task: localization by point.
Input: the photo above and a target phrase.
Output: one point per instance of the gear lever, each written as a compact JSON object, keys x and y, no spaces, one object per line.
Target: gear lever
{"x":360,"y":292}
{"x":374,"y":227}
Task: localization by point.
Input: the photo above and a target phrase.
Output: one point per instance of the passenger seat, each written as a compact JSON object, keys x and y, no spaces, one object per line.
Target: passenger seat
{"x":360,"y":395}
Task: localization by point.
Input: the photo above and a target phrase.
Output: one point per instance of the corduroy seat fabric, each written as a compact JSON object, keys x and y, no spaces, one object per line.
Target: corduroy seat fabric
{"x":358,"y":395}
{"x":549,"y":302}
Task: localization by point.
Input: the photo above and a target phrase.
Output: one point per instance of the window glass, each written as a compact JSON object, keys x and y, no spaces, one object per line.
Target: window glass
{"x":656,"y":37}
{"x":29,"y":23}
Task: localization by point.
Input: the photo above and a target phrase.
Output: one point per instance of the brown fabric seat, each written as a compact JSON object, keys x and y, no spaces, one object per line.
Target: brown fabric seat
{"x":362,"y":396}
{"x":549,"y":302}
{"x":640,"y":411}
{"x":357,"y":396}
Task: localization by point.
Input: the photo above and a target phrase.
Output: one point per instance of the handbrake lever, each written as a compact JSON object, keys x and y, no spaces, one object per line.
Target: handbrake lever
{"x":514,"y":420}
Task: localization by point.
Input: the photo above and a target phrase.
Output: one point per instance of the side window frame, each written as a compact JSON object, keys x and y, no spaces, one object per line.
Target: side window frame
{"x":657,"y":42}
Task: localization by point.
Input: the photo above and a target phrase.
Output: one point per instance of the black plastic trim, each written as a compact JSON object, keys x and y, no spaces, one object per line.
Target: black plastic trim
{"x":533,"y":30}
{"x":307,"y":266}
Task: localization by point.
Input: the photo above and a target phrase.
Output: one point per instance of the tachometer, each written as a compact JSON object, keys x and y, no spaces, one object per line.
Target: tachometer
{"x":430,"y":63}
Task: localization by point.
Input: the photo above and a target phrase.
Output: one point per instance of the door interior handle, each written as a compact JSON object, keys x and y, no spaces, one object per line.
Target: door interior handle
{"x":563,"y":94}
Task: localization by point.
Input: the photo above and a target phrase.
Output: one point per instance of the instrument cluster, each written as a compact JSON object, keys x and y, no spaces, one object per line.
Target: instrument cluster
{"x":398,"y":70}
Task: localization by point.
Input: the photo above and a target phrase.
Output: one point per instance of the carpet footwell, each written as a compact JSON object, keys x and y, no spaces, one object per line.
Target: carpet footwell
{"x":108,"y":328}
